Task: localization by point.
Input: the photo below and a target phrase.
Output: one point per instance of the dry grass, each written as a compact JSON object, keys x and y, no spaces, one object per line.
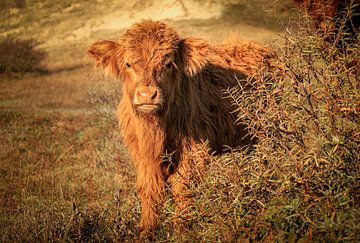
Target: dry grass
{"x":64,"y":176}
{"x":65,"y":89}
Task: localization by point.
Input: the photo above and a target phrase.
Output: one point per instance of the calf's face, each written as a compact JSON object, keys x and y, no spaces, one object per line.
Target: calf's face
{"x":149,"y":58}
{"x":146,"y":82}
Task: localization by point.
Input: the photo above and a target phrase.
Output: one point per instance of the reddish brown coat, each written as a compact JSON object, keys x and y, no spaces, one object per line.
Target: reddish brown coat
{"x":186,"y":107}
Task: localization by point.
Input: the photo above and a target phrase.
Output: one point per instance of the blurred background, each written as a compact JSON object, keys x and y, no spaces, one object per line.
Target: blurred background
{"x":60,"y":31}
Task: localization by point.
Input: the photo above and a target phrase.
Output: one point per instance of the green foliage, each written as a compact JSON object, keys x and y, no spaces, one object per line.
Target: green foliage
{"x":20,"y":56}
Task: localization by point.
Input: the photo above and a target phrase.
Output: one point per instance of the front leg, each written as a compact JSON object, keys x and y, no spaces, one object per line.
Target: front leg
{"x":151,"y":190}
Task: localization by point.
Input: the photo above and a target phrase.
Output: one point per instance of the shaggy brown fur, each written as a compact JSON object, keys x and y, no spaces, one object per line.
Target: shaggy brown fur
{"x":324,"y":12}
{"x":172,"y":103}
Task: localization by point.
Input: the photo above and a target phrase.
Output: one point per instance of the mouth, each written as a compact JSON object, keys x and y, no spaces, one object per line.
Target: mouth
{"x":148,"y":108}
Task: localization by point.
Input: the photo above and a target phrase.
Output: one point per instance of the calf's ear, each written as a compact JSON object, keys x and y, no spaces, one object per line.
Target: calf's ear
{"x":194,"y":54}
{"x":108,"y":55}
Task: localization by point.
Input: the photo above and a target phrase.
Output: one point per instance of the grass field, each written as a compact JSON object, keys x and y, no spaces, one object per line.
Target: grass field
{"x":65,"y":176}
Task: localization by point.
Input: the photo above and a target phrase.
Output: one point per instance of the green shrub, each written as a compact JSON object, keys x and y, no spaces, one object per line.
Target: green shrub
{"x":20,"y":56}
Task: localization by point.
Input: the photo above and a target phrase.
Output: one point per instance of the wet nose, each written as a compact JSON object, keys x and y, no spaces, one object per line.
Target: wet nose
{"x":147,"y":95}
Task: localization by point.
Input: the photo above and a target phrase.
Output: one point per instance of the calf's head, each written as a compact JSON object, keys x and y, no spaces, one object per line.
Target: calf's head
{"x":152,"y":61}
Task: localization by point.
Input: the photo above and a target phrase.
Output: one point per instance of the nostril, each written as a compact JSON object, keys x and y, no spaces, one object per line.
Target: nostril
{"x":154,"y":95}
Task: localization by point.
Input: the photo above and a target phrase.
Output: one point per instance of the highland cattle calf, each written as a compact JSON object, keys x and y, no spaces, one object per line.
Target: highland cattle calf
{"x":172,"y":103}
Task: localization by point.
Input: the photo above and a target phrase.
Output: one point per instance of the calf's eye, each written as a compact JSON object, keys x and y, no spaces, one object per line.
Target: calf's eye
{"x":168,"y":65}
